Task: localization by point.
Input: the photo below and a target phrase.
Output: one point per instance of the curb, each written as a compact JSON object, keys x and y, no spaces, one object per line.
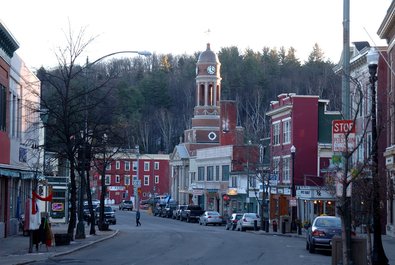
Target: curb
{"x":71,"y":250}
{"x":85,"y":245}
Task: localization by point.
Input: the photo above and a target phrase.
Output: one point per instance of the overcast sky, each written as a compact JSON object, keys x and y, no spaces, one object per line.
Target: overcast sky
{"x":179,"y":26}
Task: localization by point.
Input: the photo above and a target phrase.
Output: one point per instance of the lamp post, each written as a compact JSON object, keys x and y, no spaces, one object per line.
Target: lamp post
{"x":137,"y":183}
{"x":80,"y":232}
{"x":378,"y":254}
{"x":293,"y":191}
{"x":248,"y":177}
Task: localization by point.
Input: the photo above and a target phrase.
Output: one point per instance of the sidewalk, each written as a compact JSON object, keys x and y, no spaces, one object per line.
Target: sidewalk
{"x":15,"y":249}
{"x":388,"y":242}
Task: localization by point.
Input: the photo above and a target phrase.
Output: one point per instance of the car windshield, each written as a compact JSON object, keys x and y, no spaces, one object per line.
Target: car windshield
{"x":251,"y":215}
{"x":212,"y":213}
{"x":106,"y":209}
{"x":127,"y":202}
{"x":328,"y":222}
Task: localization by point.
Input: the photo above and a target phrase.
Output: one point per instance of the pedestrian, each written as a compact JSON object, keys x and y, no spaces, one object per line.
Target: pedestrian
{"x":138,"y":218}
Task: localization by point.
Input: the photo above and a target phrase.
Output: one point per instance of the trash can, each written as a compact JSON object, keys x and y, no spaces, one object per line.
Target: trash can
{"x":285,"y":224}
{"x":62,"y":239}
{"x":358,"y":250}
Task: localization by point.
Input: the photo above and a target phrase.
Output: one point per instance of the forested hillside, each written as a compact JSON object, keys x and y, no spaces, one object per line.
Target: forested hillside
{"x":150,"y":100}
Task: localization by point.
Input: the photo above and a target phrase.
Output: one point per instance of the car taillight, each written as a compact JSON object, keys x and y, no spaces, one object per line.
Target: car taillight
{"x":209,"y":216}
{"x":318,"y":233}
{"x":220,"y":216}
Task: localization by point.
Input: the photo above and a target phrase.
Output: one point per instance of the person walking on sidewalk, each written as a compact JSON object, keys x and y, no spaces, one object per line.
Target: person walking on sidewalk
{"x":138,"y":218}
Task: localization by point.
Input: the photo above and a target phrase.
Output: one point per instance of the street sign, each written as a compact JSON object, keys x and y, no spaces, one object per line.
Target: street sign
{"x":137,"y":183}
{"x":343,"y":135}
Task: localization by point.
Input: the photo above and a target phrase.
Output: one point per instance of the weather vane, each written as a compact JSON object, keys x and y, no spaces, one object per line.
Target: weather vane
{"x":207,"y":32}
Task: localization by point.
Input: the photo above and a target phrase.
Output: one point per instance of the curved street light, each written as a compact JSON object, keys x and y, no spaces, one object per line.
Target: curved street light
{"x":378,"y":254}
{"x":80,"y":231}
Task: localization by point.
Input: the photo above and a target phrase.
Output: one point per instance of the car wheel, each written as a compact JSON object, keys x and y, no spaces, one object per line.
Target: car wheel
{"x":307,"y":245}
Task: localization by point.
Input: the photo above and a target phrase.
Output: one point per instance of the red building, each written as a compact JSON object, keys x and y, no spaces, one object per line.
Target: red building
{"x":302,"y":122}
{"x":128,"y":173}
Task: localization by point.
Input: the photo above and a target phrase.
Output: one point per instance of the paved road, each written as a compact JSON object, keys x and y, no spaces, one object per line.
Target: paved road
{"x":166,"y":241}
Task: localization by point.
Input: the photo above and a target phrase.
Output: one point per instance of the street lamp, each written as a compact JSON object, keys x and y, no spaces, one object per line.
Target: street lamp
{"x":378,"y":254}
{"x":293,"y":191}
{"x":80,"y":232}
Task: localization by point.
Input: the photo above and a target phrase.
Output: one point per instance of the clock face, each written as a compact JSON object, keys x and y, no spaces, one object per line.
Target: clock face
{"x":211,"y":69}
{"x":212,"y":136}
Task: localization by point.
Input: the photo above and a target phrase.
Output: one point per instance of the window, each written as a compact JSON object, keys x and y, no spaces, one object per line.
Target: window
{"x":108,"y":166}
{"x":368,"y":144}
{"x":210,"y":173}
{"x":135,"y":177}
{"x":108,"y":180}
{"x":127,"y":165}
{"x":234,"y":182}
{"x":156,"y":165}
{"x":117,"y":179}
{"x":368,"y":99}
{"x":225,"y":173}
{"x":360,"y":150}
{"x":276,"y":167}
{"x":193,"y":176}
{"x":146,"y":166}
{"x":287,"y":131}
{"x":146,"y":180}
{"x":286,"y":169}
{"x":276,"y":133}
{"x":156,"y":179}
{"x":252,"y":181}
{"x":217,"y":173}
{"x":135,"y":165}
{"x":127,"y":180}
{"x":3,"y":108}
{"x":117,"y":164}
{"x":200,"y":173}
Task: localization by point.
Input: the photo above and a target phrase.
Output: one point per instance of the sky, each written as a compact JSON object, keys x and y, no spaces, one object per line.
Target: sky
{"x":180,"y":26}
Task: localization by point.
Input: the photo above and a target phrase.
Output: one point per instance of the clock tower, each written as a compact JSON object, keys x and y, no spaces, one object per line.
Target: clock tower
{"x":206,"y":120}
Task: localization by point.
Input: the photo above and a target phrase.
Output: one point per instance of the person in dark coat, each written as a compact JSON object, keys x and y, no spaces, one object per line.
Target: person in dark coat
{"x":138,"y":218}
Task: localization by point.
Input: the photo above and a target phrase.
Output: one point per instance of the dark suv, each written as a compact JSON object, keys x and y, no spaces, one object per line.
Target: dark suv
{"x":109,"y":215}
{"x":167,"y":211}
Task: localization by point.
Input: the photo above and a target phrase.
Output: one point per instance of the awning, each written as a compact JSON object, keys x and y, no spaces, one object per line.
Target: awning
{"x":9,"y":173}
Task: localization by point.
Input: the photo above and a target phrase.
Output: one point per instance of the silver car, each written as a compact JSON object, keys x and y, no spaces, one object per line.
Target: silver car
{"x":247,"y":221}
{"x":210,"y":217}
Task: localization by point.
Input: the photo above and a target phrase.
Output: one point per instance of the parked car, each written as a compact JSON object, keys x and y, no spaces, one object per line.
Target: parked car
{"x":321,"y":232}
{"x":231,"y":222}
{"x":86,"y":211}
{"x":191,"y":213}
{"x":210,"y":217}
{"x":109,"y":215}
{"x":167,"y":211}
{"x":158,"y":209}
{"x":247,"y":221}
{"x":177,"y":211}
{"x":126,"y":205}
